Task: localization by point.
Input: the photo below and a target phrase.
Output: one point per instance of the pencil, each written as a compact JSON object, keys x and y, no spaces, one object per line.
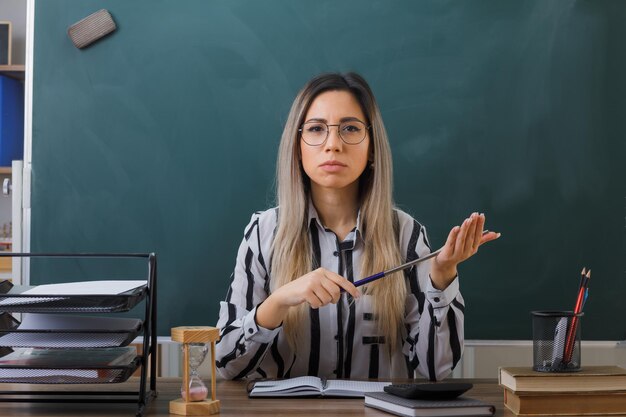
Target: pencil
{"x":571,"y":334}
{"x":582,"y":278}
{"x":402,"y":267}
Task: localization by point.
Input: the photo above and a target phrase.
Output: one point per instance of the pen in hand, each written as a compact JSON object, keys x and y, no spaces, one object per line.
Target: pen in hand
{"x":402,"y":267}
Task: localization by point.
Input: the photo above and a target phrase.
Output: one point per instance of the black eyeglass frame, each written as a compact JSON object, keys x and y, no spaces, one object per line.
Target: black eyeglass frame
{"x":338,"y":131}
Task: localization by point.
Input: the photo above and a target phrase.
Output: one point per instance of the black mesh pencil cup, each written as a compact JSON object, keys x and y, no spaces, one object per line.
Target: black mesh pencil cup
{"x":556,"y":341}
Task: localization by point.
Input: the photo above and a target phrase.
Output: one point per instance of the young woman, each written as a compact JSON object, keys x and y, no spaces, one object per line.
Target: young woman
{"x":291,"y":308}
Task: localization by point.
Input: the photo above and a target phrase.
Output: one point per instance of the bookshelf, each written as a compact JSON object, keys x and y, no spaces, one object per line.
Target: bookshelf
{"x":16,"y":72}
{"x":13,"y":71}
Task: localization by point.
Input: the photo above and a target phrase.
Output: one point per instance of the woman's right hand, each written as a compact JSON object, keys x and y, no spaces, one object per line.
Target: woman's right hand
{"x":317,"y":288}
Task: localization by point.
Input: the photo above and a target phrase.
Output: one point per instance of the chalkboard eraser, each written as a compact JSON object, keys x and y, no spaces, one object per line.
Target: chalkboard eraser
{"x":91,"y":28}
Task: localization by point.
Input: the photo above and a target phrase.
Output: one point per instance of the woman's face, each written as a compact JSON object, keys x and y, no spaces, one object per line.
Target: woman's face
{"x":335,"y":164}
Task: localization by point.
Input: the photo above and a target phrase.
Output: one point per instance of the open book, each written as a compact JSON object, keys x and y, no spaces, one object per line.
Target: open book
{"x":312,"y":386}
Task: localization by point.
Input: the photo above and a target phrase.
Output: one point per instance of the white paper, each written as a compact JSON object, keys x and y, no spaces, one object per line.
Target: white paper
{"x":85,"y":288}
{"x":287,"y":384}
{"x":344,"y":388}
{"x":72,"y":288}
{"x":311,"y":385}
{"x":31,"y":321}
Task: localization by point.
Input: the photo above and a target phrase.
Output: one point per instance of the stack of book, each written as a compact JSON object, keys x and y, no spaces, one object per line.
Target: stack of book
{"x":594,"y":390}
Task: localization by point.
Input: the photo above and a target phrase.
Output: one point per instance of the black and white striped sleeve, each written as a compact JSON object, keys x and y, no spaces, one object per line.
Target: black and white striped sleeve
{"x":434,"y":318}
{"x":243,"y":344}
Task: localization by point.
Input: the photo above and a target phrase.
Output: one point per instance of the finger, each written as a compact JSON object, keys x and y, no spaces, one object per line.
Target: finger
{"x":471,"y":232}
{"x":314,"y":301}
{"x":333,"y":289}
{"x":323,"y":295}
{"x":448,"y":247}
{"x":460,"y":239}
{"x":479,"y":232}
{"x":343,"y":283}
{"x":489,"y":237}
{"x":320,"y":288}
{"x":452,"y":236}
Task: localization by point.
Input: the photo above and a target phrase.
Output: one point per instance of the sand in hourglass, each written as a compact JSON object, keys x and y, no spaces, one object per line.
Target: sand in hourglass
{"x":197,"y":390}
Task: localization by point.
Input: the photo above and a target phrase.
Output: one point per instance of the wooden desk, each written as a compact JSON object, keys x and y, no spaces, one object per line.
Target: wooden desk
{"x":234,"y":402}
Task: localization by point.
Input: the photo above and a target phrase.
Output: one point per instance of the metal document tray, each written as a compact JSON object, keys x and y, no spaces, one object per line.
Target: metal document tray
{"x":15,"y":301}
{"x":56,"y":331}
{"x":67,"y":375}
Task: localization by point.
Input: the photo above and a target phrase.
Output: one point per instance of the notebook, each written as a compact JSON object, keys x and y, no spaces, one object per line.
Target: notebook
{"x":312,"y":386}
{"x":461,"y":406}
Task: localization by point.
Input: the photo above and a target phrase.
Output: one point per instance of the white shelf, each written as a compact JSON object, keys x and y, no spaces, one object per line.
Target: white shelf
{"x":13,"y":71}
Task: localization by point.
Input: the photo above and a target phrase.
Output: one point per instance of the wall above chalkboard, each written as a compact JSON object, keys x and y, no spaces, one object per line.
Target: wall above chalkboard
{"x":515,"y":109}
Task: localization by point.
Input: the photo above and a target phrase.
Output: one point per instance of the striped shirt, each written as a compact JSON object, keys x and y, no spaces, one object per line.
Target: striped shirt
{"x":342,"y":340}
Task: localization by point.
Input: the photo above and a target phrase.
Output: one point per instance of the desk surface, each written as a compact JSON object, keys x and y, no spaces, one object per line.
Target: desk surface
{"x":234,"y":402}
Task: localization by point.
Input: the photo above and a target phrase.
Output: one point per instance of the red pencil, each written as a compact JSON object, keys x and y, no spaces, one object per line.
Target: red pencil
{"x":569,"y":341}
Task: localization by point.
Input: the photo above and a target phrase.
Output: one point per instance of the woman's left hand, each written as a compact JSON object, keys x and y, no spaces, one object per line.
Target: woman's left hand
{"x":463,"y":242}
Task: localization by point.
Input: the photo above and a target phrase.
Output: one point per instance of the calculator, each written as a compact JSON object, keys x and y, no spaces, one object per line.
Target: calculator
{"x":433,"y":391}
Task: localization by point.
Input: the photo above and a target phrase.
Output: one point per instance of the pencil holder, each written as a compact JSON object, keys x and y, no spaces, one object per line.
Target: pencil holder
{"x":556,"y":341}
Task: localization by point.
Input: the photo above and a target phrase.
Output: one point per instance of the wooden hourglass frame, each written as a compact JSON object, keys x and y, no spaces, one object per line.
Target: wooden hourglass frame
{"x":187,"y":335}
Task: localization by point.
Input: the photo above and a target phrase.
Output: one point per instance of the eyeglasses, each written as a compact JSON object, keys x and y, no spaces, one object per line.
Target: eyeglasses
{"x":351,"y":132}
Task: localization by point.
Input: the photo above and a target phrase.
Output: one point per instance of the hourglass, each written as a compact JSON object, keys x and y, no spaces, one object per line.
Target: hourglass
{"x":194,"y":392}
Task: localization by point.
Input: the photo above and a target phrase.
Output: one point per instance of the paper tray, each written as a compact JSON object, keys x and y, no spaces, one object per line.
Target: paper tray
{"x":55,"y":331}
{"x":14,"y":301}
{"x":101,"y":375}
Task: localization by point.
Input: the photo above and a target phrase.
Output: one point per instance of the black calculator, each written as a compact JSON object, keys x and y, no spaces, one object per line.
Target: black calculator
{"x":434,"y":391}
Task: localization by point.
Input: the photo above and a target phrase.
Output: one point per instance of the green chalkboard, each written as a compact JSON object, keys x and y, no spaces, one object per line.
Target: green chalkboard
{"x":162,"y":137}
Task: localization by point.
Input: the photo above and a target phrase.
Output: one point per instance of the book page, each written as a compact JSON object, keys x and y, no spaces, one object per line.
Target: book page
{"x":345,"y":388}
{"x":304,"y":385}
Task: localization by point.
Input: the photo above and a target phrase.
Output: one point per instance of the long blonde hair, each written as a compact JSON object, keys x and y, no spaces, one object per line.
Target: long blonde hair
{"x":291,"y":249}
